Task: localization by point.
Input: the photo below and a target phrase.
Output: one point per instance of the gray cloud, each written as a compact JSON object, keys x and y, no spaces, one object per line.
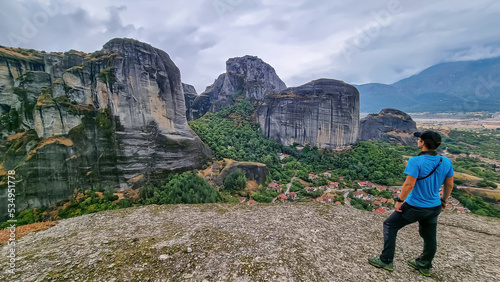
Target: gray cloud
{"x":369,"y":41}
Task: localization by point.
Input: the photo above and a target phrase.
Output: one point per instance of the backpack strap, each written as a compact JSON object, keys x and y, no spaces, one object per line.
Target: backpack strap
{"x":440,"y":161}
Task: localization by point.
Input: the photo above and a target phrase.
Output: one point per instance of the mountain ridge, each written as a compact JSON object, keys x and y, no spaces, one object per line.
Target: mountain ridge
{"x":462,"y":86}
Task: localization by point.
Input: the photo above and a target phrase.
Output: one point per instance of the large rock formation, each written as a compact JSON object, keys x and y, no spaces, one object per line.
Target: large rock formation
{"x":246,"y":76}
{"x":391,"y":124}
{"x":189,"y":97}
{"x":109,"y":118}
{"x":252,"y":170}
{"x":322,"y":113}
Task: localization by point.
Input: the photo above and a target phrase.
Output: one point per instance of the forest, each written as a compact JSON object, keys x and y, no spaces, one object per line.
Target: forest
{"x":230,"y":133}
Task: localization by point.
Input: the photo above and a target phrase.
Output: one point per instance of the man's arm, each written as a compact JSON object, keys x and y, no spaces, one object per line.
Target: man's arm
{"x":405,"y":191}
{"x":448,"y":187}
{"x":407,"y":187}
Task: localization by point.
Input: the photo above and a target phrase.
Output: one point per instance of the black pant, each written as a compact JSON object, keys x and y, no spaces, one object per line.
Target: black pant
{"x":427,"y":220}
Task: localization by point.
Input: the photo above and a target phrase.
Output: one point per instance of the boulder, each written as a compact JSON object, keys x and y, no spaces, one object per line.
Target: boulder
{"x":253,"y":171}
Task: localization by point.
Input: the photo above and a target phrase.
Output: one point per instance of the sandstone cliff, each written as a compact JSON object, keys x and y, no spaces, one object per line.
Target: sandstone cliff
{"x":246,"y":76}
{"x":391,"y":124}
{"x":189,"y":97}
{"x":322,"y":113}
{"x":240,"y":242}
{"x":121,"y":108}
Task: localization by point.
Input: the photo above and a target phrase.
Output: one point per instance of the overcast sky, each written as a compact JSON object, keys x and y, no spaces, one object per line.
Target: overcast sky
{"x":355,"y":41}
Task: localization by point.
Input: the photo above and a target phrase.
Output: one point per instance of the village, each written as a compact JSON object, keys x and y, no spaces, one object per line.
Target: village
{"x":377,"y":198}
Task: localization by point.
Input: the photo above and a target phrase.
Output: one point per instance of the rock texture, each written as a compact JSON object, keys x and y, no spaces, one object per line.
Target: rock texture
{"x":246,"y":76}
{"x":240,"y":242}
{"x":253,"y":171}
{"x":322,"y":113}
{"x":122,"y":108}
{"x":189,"y":96}
{"x":391,"y":124}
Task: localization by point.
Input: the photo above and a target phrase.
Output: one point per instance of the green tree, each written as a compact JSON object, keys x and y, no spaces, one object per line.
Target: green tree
{"x":236,"y":180}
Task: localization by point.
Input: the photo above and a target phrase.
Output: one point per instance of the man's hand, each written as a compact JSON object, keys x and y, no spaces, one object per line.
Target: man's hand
{"x":443,"y":205}
{"x":398,"y":206}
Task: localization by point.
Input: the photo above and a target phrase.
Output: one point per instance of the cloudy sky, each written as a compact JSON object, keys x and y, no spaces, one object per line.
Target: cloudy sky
{"x":355,"y":41}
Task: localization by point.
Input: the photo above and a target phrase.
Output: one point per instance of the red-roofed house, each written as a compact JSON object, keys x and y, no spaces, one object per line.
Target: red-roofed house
{"x":394,"y":189}
{"x":383,"y":200}
{"x":327,"y":174}
{"x":328,"y":199}
{"x":282,"y":197}
{"x":377,"y":203}
{"x":251,"y":202}
{"x":366,"y":184}
{"x":309,"y":189}
{"x":338,"y":203}
{"x":333,"y":185}
{"x":292,"y":195}
{"x":390,"y":201}
{"x":360,"y":194}
{"x":277,"y":188}
{"x":320,"y":199}
{"x":379,"y":210}
{"x":312,"y":176}
{"x":242,"y":199}
{"x":272,"y":185}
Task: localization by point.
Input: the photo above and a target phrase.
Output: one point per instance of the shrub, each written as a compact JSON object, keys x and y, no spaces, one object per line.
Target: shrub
{"x":234,"y":181}
{"x":124,"y":203}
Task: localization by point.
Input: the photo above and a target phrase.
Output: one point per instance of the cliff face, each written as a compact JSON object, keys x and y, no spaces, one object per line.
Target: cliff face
{"x":322,"y":113}
{"x":246,"y":76}
{"x":121,"y":112}
{"x":391,"y":124}
{"x":189,"y":97}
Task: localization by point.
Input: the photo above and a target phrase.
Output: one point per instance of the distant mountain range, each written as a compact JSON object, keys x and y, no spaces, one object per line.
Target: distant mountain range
{"x":466,"y":86}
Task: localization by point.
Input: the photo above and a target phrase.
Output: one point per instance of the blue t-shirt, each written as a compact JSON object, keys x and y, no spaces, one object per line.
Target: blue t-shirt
{"x":425,"y":194}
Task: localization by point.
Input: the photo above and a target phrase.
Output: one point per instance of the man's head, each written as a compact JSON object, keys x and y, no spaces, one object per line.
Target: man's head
{"x":430,"y":139}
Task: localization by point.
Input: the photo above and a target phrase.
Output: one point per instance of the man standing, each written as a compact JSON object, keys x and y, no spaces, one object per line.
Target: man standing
{"x":419,"y":201}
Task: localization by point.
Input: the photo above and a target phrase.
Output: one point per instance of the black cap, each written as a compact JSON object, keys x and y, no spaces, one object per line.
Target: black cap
{"x":431,"y":139}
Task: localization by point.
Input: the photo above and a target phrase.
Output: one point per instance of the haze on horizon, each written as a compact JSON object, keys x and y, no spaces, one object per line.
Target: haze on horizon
{"x":372,"y":41}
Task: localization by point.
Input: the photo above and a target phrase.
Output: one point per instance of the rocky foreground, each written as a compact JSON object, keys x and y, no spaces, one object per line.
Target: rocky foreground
{"x":225,"y":242}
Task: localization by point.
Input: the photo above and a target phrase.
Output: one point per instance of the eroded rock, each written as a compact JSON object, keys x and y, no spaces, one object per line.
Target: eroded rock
{"x":322,"y":113}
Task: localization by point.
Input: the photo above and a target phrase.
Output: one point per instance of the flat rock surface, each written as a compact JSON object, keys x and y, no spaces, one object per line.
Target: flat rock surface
{"x":239,"y":242}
